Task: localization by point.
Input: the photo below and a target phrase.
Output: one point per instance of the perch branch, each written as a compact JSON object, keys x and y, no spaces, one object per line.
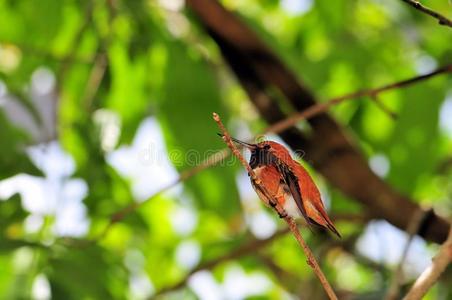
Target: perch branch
{"x":329,"y":147}
{"x":431,"y":275}
{"x":275,"y":128}
{"x":442,"y":20}
{"x":290,"y":222}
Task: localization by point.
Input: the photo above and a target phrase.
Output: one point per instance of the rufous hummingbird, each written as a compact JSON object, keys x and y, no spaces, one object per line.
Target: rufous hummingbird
{"x":288,"y":183}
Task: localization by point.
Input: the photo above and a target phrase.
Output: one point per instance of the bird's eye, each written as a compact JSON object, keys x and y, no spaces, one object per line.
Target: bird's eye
{"x":266,"y":147}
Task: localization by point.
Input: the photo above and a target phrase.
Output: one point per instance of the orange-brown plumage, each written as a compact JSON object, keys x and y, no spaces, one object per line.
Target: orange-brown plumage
{"x":288,"y":182}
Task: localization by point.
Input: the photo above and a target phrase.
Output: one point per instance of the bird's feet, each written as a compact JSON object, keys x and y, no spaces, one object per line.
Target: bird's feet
{"x":282,"y":215}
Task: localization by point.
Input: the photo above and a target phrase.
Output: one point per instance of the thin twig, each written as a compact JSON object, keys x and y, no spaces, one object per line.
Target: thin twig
{"x":312,"y":262}
{"x":442,"y":20}
{"x":275,"y":128}
{"x":321,"y":107}
{"x":250,"y":248}
{"x":431,"y":275}
{"x":393,"y":115}
{"x":289,"y":220}
{"x":397,"y":279}
{"x":68,"y":59}
{"x":95,"y":79}
{"x":444,"y":166}
{"x":245,"y":249}
{"x":125,"y":211}
{"x":184,"y":175}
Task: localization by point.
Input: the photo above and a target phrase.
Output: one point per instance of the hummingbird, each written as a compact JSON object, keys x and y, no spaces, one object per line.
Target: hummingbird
{"x":287,"y":182}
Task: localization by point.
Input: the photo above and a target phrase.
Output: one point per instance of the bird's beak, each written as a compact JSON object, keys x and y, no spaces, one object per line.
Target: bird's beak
{"x":246,"y":145}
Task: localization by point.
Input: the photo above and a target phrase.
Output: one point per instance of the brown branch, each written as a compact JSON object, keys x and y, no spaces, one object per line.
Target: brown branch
{"x":431,"y":275}
{"x":393,"y":115}
{"x":442,"y":20}
{"x":68,"y":59}
{"x":245,"y":249}
{"x":95,"y":79}
{"x":444,"y":166}
{"x":324,"y":106}
{"x":289,"y":220}
{"x":122,"y":213}
{"x":251,"y":247}
{"x":312,"y":262}
{"x":328,"y":146}
{"x":412,"y":229}
{"x":277,"y":127}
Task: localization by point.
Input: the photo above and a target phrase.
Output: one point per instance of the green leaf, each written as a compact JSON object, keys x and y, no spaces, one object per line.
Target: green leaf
{"x":13,"y":157}
{"x":90,"y":273}
{"x":192,"y":93}
{"x":412,"y":147}
{"x":11,"y":211}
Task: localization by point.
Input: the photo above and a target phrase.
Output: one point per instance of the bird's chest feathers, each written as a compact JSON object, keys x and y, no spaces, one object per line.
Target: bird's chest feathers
{"x":270,"y":177}
{"x":272,"y":180}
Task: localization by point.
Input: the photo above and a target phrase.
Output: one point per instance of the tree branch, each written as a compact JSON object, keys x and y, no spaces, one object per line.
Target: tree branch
{"x":328,"y":147}
{"x":276,"y":128}
{"x":442,"y":20}
{"x":245,"y":249}
{"x":289,"y":220}
{"x":324,"y":106}
{"x":252,"y":247}
{"x":94,"y":80}
{"x":68,"y":59}
{"x":431,"y":275}
{"x":122,"y":213}
{"x":412,"y":229}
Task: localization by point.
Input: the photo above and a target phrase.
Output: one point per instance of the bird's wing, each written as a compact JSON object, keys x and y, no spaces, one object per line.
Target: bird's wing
{"x":291,"y":181}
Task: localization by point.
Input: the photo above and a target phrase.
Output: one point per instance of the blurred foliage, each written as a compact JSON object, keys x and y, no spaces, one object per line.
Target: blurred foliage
{"x":113,"y":64}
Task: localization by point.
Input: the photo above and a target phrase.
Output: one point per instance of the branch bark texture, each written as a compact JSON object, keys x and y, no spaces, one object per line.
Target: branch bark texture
{"x":280,"y":210}
{"x":431,"y":275}
{"x":442,"y":20}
